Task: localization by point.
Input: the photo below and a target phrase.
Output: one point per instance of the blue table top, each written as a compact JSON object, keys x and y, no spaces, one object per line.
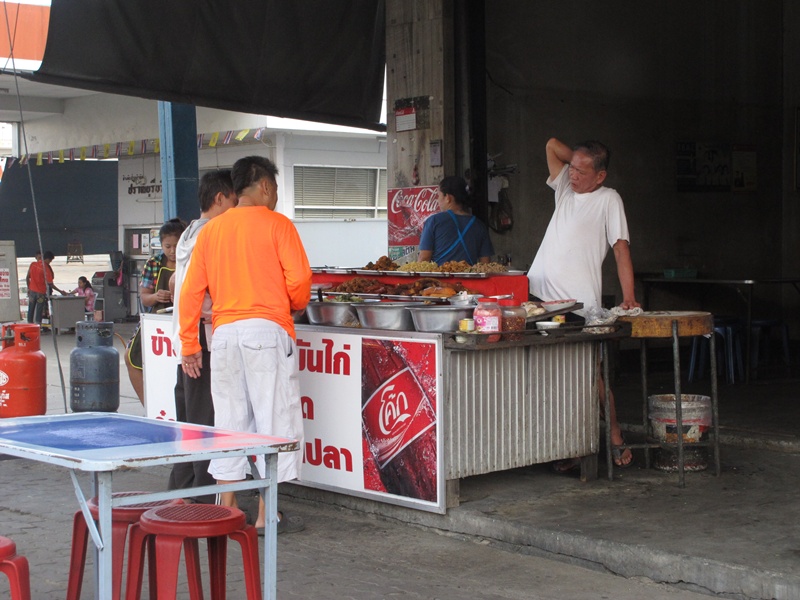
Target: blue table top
{"x":106,"y":441}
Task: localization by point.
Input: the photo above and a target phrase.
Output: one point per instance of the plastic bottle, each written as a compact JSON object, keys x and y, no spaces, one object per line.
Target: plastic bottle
{"x":488,"y":318}
{"x":514,"y":319}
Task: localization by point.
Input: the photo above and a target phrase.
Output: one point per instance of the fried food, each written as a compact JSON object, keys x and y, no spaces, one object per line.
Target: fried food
{"x":491,"y":267}
{"x":384,"y":263}
{"x":438,"y":292}
{"x":455,"y":266}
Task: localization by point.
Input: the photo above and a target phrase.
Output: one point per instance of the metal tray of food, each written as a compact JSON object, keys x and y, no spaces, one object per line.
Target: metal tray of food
{"x":362,"y":295}
{"x":373,"y":272}
{"x":338,"y":270}
{"x":470,"y":275}
{"x":401,"y":297}
{"x":405,"y":273}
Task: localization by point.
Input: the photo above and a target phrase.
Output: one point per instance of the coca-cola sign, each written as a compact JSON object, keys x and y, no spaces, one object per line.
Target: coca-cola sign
{"x":408,"y":208}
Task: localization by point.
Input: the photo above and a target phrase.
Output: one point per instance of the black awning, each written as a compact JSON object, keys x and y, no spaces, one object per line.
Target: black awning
{"x":318,"y":60}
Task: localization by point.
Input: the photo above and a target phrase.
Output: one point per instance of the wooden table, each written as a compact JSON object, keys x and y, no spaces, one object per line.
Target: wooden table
{"x":102,"y":443}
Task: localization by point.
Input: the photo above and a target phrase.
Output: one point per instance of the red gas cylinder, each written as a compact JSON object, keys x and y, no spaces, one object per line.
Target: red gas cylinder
{"x":23,"y":372}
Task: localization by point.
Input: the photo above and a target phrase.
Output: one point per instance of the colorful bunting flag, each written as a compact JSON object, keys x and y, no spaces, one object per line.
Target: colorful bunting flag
{"x":106,"y":150}
{"x":131,"y":146}
{"x":242,"y":134}
{"x":213,"y":141}
{"x":23,"y":160}
{"x":72,"y":153}
{"x":118,"y":151}
{"x":228,"y":137}
{"x":39,"y":159}
{"x":199,"y":140}
{"x":60,"y":156}
{"x":157,"y":146}
{"x":49,"y":158}
{"x":259,"y":133}
{"x":83,"y":153}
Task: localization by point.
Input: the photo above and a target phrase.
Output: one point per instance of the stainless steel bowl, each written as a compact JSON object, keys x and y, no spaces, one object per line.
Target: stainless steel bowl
{"x":338,"y":314}
{"x":386,"y":315}
{"x":439,"y":318}
{"x":464,"y":299}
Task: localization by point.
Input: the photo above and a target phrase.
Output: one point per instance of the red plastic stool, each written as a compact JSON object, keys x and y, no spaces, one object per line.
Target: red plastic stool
{"x":172,"y":526}
{"x":121,"y":518}
{"x":16,"y":569}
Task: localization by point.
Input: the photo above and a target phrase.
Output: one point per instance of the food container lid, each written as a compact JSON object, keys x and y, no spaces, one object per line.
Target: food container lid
{"x":509,"y":302}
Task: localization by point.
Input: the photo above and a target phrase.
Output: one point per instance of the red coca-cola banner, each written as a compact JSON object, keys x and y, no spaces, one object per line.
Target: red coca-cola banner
{"x":399,"y":420}
{"x":408,"y":208}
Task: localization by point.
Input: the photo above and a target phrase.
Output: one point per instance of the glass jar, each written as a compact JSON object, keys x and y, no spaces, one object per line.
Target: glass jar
{"x":514,"y":319}
{"x":488,"y":318}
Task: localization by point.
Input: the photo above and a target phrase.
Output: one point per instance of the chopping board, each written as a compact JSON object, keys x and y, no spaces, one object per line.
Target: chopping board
{"x":658,"y":324}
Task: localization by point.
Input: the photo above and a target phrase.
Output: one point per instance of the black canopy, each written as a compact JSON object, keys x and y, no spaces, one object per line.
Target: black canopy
{"x":318,"y":60}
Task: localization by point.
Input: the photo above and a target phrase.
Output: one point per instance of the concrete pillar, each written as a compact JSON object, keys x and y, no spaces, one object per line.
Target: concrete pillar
{"x":419,"y":69}
{"x":177,"y":125}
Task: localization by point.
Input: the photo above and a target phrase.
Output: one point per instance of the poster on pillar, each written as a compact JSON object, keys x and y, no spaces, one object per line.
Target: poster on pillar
{"x":408,"y":210}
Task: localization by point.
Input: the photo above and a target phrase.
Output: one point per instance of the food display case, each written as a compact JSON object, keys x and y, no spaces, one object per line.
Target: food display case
{"x":510,"y":283}
{"x":401,"y":416}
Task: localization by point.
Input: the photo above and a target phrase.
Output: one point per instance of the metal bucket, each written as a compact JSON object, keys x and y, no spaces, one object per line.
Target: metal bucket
{"x":696,"y":420}
{"x":94,"y":368}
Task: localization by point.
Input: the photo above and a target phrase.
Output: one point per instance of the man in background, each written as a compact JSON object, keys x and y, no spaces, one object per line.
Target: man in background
{"x":40,"y":283}
{"x":193,"y":403}
{"x":252,"y":263}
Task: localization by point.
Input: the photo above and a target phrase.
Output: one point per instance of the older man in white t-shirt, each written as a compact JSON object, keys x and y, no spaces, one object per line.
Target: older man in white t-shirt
{"x":588,"y":219}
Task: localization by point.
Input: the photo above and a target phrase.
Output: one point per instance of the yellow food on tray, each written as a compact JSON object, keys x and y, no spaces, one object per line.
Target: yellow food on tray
{"x":421,"y":267}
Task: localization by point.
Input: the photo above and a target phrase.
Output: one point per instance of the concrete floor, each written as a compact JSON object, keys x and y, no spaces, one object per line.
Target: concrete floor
{"x":737,"y":535}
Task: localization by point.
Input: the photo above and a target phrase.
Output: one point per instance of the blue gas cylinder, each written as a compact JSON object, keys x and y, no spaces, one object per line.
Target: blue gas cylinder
{"x":94,"y":368}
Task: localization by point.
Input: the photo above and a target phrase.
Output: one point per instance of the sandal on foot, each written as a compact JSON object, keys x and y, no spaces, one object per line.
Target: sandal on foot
{"x":617,"y":454}
{"x":566,"y":465}
{"x":286,"y":524}
{"x":290,"y":523}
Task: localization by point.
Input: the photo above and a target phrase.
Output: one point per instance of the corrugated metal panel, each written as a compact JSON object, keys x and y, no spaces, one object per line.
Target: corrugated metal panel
{"x":513,"y":407}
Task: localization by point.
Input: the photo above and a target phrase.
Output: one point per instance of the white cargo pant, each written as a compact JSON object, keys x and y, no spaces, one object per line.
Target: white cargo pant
{"x":255,"y":388}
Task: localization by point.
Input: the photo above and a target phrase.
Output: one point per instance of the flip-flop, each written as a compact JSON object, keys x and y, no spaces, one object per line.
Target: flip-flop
{"x":616,"y":455}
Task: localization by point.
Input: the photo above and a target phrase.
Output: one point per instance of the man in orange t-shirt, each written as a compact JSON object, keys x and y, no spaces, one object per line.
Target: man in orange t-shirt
{"x":40,"y":283}
{"x":253,"y":264}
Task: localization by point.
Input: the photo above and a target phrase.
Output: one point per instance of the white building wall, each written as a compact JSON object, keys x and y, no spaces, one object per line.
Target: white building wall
{"x":107,"y":119}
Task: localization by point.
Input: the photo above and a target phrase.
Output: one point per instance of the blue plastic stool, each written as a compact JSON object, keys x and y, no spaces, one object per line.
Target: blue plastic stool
{"x":729,"y":330}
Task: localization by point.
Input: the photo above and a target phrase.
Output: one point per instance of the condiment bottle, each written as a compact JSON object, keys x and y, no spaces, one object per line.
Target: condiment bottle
{"x":514,"y":318}
{"x":488,"y":318}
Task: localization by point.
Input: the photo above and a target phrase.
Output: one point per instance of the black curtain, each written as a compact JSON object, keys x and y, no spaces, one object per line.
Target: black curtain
{"x":318,"y":60}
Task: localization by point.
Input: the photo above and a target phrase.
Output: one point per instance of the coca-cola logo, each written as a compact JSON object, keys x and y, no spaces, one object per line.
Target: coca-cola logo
{"x":396,"y":414}
{"x":419,"y":200}
{"x":393,"y":411}
{"x":3,"y":378}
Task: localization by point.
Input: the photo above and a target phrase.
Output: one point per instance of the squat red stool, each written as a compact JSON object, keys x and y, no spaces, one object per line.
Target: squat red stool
{"x":16,"y":569}
{"x":172,"y":526}
{"x":121,"y":518}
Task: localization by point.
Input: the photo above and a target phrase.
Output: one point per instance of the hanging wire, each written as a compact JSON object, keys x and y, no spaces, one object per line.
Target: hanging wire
{"x":33,"y":197}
